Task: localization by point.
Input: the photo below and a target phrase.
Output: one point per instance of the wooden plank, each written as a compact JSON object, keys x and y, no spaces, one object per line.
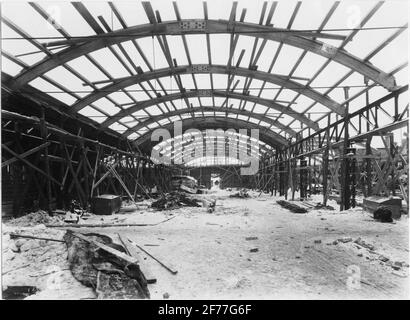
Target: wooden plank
{"x":97,"y":159}
{"x":132,"y":251}
{"x":105,"y":175}
{"x":115,"y":173}
{"x":126,"y":259}
{"x":167,"y":265}
{"x":99,"y":225}
{"x":83,"y":11}
{"x":16,"y":235}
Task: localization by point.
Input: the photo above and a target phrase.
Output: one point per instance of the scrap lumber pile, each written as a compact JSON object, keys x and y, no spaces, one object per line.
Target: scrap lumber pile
{"x":36,"y":257}
{"x":175,"y":200}
{"x":243,"y":193}
{"x":99,"y":263}
{"x":291,"y":206}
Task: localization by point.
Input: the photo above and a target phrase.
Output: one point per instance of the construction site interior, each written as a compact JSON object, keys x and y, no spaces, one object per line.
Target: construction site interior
{"x":205,"y":150}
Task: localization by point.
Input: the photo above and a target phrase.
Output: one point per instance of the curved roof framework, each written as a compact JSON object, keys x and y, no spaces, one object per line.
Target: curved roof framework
{"x":217,"y":69}
{"x":215,"y":122}
{"x":215,"y":161}
{"x":227,"y":146}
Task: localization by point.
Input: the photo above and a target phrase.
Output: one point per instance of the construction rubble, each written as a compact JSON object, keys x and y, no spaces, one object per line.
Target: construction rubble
{"x":130,"y":254}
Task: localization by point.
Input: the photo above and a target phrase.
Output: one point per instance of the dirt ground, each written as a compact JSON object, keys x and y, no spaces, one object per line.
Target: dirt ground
{"x":296,"y":256}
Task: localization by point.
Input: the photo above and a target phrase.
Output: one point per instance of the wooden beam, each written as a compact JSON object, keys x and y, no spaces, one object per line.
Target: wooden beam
{"x":126,"y":259}
{"x":25,"y":154}
{"x":166,"y":265}
{"x":29,"y":164}
{"x":132,"y":251}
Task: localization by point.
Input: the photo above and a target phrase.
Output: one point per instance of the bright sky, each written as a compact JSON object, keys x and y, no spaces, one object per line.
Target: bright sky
{"x":309,"y":16}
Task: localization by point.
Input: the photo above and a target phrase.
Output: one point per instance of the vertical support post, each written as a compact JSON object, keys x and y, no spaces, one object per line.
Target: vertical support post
{"x":344,"y":194}
{"x":97,"y":162}
{"x":396,"y":107}
{"x":351,"y":178}
{"x":368,"y":147}
{"x":325,"y":163}
{"x":43,"y":129}
{"x":392,"y":155}
{"x":303,"y":179}
{"x":16,"y":173}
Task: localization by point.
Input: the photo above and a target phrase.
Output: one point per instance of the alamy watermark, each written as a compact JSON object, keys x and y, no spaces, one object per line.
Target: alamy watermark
{"x":193,"y":144}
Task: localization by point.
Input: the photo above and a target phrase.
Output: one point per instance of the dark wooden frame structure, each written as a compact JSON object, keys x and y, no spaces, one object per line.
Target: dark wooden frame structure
{"x":52,"y":153}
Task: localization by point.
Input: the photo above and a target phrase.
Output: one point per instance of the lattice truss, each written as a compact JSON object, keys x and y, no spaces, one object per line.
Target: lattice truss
{"x":282,"y":67}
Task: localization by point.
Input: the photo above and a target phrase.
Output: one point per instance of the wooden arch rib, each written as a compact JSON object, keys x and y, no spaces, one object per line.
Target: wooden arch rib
{"x":210,"y":93}
{"x":268,"y":136}
{"x":280,"y":80}
{"x":210,"y":109}
{"x":81,"y":46}
{"x":167,"y":143}
{"x":221,"y":150}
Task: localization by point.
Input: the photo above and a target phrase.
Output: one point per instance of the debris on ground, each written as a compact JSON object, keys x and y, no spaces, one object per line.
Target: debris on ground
{"x":209,"y":204}
{"x":397,"y":265}
{"x":175,"y":200}
{"x":18,"y":292}
{"x":291,"y":206}
{"x":34,"y":218}
{"x":243,"y":193}
{"x":72,"y":217}
{"x":383,"y":258}
{"x":383,"y":214}
{"x":345,"y":240}
{"x":75,"y":207}
{"x":105,"y":225}
{"x":166,"y":265}
{"x":16,"y":236}
{"x":364,"y":244}
{"x":213,"y":224}
{"x":320,"y":205}
{"x":36,"y":257}
{"x":97,"y":262}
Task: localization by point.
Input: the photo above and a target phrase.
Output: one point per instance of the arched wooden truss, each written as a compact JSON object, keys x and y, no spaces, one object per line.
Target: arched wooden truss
{"x":106,"y":38}
{"x":215,"y":142}
{"x":80,"y":47}
{"x":265,"y":135}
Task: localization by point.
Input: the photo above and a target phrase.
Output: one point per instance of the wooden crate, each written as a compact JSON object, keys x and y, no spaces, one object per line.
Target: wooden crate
{"x":106,"y":204}
{"x":393,"y":203}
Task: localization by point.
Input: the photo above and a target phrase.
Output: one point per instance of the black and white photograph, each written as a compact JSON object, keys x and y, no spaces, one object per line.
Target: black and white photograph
{"x":209,"y":150}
